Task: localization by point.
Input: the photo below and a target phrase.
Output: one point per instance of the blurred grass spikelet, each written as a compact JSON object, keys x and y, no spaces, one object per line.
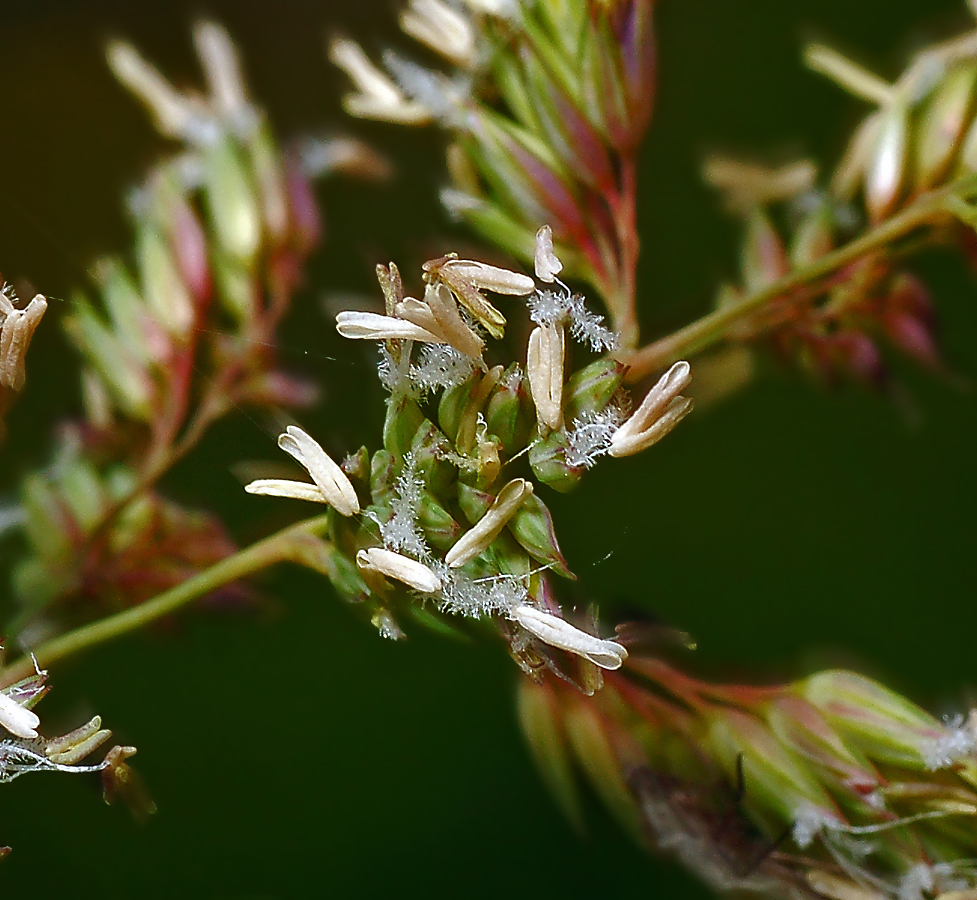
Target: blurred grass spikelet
{"x":544,"y":105}
{"x":177,"y":335}
{"x":913,"y":150}
{"x":832,"y":786}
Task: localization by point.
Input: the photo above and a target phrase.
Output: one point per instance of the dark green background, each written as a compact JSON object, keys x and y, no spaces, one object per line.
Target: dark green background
{"x":293,"y":751}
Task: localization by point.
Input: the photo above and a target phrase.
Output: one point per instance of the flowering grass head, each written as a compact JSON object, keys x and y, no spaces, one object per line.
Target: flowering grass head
{"x":447,"y":519}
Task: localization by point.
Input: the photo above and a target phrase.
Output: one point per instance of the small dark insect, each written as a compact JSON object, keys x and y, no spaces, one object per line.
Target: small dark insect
{"x":721,"y":846}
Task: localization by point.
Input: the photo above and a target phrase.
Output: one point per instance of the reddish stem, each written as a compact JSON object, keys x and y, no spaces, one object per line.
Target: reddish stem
{"x":623,"y":206}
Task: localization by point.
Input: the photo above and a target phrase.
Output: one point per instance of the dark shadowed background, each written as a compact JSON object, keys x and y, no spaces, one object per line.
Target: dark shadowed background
{"x":293,"y":752}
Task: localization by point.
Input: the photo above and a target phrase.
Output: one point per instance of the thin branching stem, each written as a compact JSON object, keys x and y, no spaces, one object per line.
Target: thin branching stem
{"x":624,"y":211}
{"x":928,"y":209}
{"x":282,"y":546}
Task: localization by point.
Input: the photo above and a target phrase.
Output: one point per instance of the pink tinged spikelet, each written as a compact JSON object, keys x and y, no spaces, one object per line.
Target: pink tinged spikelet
{"x":764,"y":257}
{"x":566,"y":130}
{"x":635,"y":34}
{"x":525,"y":171}
{"x":189,"y":247}
{"x":304,"y":213}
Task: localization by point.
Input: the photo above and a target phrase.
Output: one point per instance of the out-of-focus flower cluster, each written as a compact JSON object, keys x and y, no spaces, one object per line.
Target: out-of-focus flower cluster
{"x":440,"y":522}
{"x":545,"y":105}
{"x":919,"y":139}
{"x":179,"y":333}
{"x":830,"y":787}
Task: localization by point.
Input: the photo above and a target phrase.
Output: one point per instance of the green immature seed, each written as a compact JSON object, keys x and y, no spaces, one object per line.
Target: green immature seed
{"x":532,"y":526}
{"x":428,"y":449}
{"x":452,"y":406}
{"x":47,"y":523}
{"x":82,"y":490}
{"x":814,"y":236}
{"x":124,"y":305}
{"x":404,"y":419}
{"x":236,"y":288}
{"x":941,"y":128}
{"x":125,"y":377}
{"x":474,"y":503}
{"x":779,"y":784}
{"x":886,"y":170}
{"x":383,"y":475}
{"x":438,"y":525}
{"x":265,"y":160}
{"x":345,"y":578}
{"x":873,"y":720}
{"x":509,"y":415}
{"x":235,"y":214}
{"x":591,"y":388}
{"x":548,"y":459}
{"x":162,"y":285}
